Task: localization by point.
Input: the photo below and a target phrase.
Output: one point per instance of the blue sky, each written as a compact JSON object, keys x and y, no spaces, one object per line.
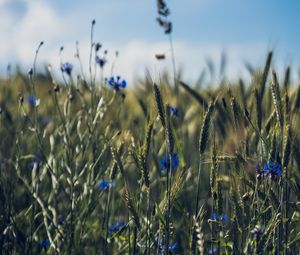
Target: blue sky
{"x":203,"y":29}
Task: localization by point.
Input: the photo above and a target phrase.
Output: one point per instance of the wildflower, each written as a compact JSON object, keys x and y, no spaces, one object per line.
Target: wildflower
{"x":61,"y":222}
{"x":98,"y":46}
{"x":116,"y":83}
{"x":66,"y":68}
{"x":113,"y":228}
{"x":106,"y":184}
{"x":45,"y":244}
{"x":271,"y":169}
{"x":172,"y":247}
{"x":33,"y":101}
{"x":162,"y":247}
{"x":223,"y":217}
{"x":214,"y":216}
{"x":172,"y":160}
{"x":173,"y":111}
{"x":100,"y":61}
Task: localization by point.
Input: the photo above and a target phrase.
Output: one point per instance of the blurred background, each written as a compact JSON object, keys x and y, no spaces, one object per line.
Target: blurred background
{"x":203,"y":32}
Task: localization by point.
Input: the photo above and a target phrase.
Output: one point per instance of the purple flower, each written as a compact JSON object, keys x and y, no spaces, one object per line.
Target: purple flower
{"x":172,"y":161}
{"x":214,"y":216}
{"x":113,"y":228}
{"x":100,"y":61}
{"x":45,"y":244}
{"x":61,"y":222}
{"x":66,"y":68}
{"x":116,"y":83}
{"x":224,"y":217}
{"x":272,"y":169}
{"x":173,"y":111}
{"x":32,"y":101}
{"x":162,"y":247}
{"x":106,"y":184}
{"x":172,"y":247}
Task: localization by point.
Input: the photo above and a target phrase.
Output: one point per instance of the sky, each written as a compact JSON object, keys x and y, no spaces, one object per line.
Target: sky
{"x":203,"y":29}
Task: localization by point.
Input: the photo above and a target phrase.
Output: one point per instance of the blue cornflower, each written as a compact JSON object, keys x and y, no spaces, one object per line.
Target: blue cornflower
{"x":45,"y":244}
{"x":106,"y":184}
{"x":32,"y":101}
{"x":214,"y":216}
{"x":172,"y":247}
{"x":66,"y":68}
{"x":271,"y":169}
{"x":113,"y":228}
{"x":172,"y":160}
{"x":119,"y":224}
{"x":117,"y":83}
{"x":173,"y":111}
{"x":61,"y":222}
{"x":223,"y":217}
{"x":162,"y":247}
{"x":100,"y":61}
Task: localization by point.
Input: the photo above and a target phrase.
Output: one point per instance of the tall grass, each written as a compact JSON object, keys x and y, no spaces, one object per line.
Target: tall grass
{"x":92,"y":167}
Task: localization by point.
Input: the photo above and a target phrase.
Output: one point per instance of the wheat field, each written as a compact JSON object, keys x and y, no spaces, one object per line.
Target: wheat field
{"x":89,"y":165}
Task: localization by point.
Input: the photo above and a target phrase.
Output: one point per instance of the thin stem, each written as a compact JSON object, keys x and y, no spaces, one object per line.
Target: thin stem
{"x":198,"y":195}
{"x":148,"y":223}
{"x":173,"y":63}
{"x":106,"y":219}
{"x":91,"y":50}
{"x":198,"y":186}
{"x":134,"y":240}
{"x":35,"y":57}
{"x":286,"y":211}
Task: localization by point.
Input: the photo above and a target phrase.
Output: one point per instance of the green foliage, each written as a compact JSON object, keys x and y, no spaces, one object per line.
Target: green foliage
{"x":87,"y":157}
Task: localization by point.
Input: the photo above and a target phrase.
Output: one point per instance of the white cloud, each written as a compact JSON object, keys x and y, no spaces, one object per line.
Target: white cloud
{"x":137,"y":55}
{"x":24,"y":28}
{"x":40,"y":22}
